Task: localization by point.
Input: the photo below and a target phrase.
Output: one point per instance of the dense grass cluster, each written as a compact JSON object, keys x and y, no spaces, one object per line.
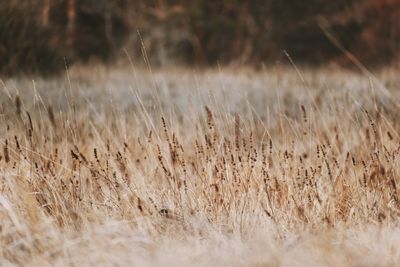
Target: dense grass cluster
{"x":275,"y":168}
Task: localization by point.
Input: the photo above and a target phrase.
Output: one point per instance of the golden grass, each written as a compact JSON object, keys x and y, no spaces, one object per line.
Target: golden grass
{"x":208,"y":168}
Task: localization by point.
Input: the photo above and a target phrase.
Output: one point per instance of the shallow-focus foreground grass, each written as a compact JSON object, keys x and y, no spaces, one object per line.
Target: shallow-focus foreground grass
{"x":277,"y":167}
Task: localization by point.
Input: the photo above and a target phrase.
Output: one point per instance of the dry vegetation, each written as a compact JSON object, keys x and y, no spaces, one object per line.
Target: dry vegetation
{"x":208,"y":168}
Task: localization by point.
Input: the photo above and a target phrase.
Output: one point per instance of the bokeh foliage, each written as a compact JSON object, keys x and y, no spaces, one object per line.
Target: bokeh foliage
{"x":40,"y":35}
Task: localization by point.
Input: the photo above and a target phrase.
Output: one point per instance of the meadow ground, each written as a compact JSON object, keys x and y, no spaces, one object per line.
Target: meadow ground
{"x":128,"y":167}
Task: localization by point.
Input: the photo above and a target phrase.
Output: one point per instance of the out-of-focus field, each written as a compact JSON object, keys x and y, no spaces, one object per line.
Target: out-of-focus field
{"x":129,"y":167}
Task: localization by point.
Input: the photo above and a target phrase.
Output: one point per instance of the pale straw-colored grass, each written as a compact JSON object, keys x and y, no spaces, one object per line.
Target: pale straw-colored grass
{"x":122,"y":167}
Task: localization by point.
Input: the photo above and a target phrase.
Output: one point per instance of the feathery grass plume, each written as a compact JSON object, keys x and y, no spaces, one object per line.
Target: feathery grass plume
{"x":18,"y":105}
{"x":51,"y":116}
{"x":5,"y":152}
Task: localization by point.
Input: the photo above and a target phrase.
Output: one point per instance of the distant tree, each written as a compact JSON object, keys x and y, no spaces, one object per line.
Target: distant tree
{"x":25,"y":46}
{"x":379,"y":39}
{"x":91,"y":28}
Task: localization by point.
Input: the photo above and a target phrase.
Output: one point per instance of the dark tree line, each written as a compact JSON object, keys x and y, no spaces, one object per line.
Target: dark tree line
{"x":43,"y":35}
{"x":39,"y":35}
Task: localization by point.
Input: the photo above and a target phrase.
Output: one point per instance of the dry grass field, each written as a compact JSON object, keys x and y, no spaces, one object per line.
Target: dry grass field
{"x":222,"y":167}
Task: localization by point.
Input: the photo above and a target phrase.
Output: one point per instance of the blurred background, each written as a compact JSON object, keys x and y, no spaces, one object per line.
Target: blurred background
{"x":41,"y":36}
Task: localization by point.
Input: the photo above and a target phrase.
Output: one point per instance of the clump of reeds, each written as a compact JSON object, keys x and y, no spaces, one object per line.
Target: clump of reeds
{"x":313,"y":170}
